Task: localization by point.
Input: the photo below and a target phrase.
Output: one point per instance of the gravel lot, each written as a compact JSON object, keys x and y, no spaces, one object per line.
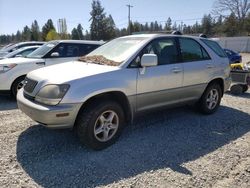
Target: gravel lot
{"x":171,"y":148}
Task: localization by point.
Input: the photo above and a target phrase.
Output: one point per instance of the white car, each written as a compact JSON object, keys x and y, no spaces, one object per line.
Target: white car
{"x":22,"y":52}
{"x":12,"y":47}
{"x":14,"y":70}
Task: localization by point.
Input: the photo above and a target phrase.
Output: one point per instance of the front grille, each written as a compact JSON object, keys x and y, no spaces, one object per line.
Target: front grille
{"x":29,"y":85}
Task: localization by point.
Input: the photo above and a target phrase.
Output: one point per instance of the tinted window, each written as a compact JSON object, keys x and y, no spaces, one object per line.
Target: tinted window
{"x":192,"y":50}
{"x":66,"y":50}
{"x":165,"y":49}
{"x":28,"y":51}
{"x":215,"y":47}
{"x":87,"y":48}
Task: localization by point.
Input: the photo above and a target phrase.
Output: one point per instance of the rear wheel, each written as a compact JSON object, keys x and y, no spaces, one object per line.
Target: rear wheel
{"x":210,"y":99}
{"x":100,"y":124}
{"x":17,"y":84}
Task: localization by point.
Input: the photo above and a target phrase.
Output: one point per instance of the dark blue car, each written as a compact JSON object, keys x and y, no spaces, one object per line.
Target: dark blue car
{"x":233,"y":56}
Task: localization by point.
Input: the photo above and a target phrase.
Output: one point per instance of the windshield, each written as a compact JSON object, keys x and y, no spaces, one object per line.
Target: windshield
{"x":114,"y":52}
{"x":43,"y":50}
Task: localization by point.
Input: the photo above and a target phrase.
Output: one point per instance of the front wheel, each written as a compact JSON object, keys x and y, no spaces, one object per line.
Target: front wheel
{"x":17,"y":84}
{"x":100,"y":124}
{"x":210,"y":99}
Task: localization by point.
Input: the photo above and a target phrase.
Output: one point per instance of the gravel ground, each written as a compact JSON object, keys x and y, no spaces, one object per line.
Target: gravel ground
{"x":171,"y":148}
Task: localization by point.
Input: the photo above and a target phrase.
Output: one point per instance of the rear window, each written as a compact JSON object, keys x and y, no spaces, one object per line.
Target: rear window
{"x":215,"y":47}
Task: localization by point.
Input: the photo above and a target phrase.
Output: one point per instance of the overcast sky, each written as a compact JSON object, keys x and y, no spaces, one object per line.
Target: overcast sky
{"x":15,"y":14}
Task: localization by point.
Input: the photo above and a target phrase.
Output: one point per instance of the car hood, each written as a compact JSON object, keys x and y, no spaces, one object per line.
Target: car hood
{"x":19,"y":60}
{"x":69,"y":71}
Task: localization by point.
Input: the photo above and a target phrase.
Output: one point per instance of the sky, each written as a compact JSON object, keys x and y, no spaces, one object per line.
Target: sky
{"x":15,"y":14}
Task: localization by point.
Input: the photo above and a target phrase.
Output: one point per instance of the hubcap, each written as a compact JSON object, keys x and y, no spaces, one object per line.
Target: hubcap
{"x":212,"y":99}
{"x":106,"y":126}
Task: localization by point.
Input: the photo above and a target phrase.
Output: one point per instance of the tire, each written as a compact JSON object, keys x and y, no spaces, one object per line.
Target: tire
{"x":93,"y":127}
{"x":244,"y":88}
{"x":210,"y":100}
{"x":236,"y":89}
{"x":17,"y":84}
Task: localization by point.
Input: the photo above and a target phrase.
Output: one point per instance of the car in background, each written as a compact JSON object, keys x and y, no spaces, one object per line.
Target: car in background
{"x":233,"y":56}
{"x":14,"y":70}
{"x":12,"y":47}
{"x":125,"y":77}
{"x":22,"y":52}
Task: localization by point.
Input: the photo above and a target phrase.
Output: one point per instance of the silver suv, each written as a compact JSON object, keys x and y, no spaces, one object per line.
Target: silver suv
{"x":104,"y":90}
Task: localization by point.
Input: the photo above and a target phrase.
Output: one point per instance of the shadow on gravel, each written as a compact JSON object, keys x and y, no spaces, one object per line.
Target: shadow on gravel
{"x":7,"y":103}
{"x":164,"y":139}
{"x":243,"y":95}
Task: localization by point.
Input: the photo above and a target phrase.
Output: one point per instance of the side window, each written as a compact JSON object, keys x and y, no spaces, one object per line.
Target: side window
{"x":192,"y":50}
{"x":26,"y":52}
{"x":87,"y":48}
{"x":66,"y":50}
{"x":215,"y":47}
{"x":165,"y":49}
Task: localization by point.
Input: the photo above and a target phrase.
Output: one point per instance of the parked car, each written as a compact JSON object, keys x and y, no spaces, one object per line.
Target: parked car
{"x":12,"y":47}
{"x":22,"y":52}
{"x":125,"y":77}
{"x":14,"y":70}
{"x":233,"y":56}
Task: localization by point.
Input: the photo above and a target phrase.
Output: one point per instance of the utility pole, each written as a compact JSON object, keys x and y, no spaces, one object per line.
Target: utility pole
{"x":129,"y":29}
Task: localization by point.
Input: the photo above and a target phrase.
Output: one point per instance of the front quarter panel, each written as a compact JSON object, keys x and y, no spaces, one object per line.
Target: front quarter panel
{"x":123,"y":80}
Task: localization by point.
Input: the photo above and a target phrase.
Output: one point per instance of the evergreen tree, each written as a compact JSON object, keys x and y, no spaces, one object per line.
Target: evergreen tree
{"x":168,"y":24}
{"x":231,"y":26}
{"x":111,"y":29}
{"x":207,"y":24}
{"x":98,"y":21}
{"x":79,"y":31}
{"x":18,"y":36}
{"x":35,"y":31}
{"x":26,"y":34}
{"x":47,"y":28}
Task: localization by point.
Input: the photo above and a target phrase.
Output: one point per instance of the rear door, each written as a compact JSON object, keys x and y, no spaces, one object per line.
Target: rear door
{"x":158,"y":86}
{"x":198,"y":67}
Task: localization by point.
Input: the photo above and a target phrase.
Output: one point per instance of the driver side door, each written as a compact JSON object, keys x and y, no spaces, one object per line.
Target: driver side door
{"x":159,"y":85}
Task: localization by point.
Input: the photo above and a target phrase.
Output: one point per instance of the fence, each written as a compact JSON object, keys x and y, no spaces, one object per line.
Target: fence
{"x":238,"y":44}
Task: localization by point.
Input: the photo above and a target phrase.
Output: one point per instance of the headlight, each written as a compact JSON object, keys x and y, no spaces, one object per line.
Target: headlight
{"x":52,"y":94}
{"x":7,"y":67}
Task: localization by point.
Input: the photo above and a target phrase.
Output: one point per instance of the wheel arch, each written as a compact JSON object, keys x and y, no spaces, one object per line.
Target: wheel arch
{"x":116,"y":96}
{"x":219,"y":81}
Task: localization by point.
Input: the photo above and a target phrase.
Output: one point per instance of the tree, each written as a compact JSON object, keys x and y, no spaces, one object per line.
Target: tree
{"x":26,"y":34}
{"x":18,"y":36}
{"x":98,"y":24}
{"x":111,"y":29}
{"x":207,"y":24}
{"x":47,"y":28}
{"x":79,"y":31}
{"x":231,"y":26}
{"x":52,"y":35}
{"x":240,"y":8}
{"x":168,"y":24}
{"x":35,"y":31}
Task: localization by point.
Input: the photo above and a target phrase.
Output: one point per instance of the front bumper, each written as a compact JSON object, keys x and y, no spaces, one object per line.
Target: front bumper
{"x":59,"y":116}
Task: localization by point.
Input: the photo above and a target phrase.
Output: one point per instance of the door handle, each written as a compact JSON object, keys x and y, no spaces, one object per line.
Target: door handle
{"x":40,"y":63}
{"x":210,"y":66}
{"x":176,"y":70}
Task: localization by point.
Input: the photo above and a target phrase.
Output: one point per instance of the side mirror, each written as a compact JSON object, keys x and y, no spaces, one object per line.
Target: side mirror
{"x":149,"y":60}
{"x":54,"y":54}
